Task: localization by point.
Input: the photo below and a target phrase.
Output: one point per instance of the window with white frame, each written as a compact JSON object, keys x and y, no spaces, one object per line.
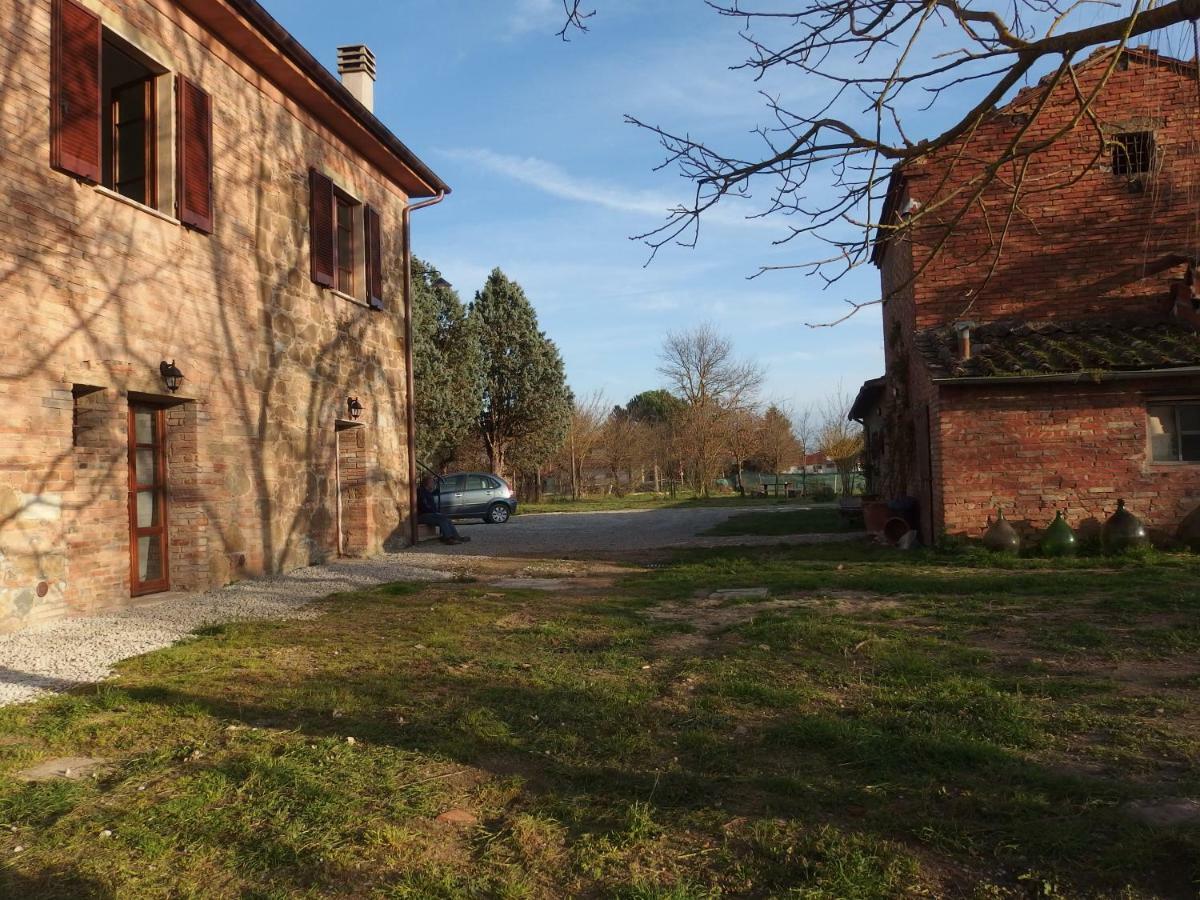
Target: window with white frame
{"x":1175,"y":431}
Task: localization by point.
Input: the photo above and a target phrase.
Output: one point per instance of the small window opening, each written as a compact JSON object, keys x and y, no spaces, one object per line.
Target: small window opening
{"x":130,"y":134}
{"x":86,"y":414}
{"x":1133,"y":153}
{"x":346,"y":207}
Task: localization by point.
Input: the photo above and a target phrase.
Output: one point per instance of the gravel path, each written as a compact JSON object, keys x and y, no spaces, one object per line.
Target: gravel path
{"x":610,"y":533}
{"x":60,"y":655}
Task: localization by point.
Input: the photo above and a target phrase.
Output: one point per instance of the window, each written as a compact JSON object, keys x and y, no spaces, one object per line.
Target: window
{"x":1175,"y":432}
{"x":478,"y":483}
{"x":109,"y":103}
{"x":346,"y":209}
{"x":345,"y":237}
{"x":1133,"y":153}
{"x":129,"y":132}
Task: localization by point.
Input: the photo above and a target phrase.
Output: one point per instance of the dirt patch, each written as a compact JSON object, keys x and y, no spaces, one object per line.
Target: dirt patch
{"x":683,"y":644}
{"x":1164,"y":813}
{"x":715,"y":613}
{"x":516,"y":621}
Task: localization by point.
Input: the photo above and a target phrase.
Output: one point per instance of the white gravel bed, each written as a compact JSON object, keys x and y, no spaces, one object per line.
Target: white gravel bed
{"x":69,"y":652}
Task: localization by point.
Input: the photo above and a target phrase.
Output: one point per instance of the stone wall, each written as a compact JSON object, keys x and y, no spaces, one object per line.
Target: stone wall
{"x":99,"y":291}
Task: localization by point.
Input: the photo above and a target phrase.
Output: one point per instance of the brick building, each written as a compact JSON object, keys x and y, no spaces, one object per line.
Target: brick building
{"x":187,"y":191}
{"x":1064,"y":371}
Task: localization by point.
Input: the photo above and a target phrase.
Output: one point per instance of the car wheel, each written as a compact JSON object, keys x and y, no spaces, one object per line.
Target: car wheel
{"x":498,"y":514}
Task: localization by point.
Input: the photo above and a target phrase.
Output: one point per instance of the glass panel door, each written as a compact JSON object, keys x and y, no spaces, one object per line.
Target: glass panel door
{"x":147,"y":500}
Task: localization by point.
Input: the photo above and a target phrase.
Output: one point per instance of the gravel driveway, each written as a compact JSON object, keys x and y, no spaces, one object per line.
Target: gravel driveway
{"x":606,"y":534}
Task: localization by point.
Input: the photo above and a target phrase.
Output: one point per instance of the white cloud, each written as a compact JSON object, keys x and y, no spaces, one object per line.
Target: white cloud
{"x":551,"y":178}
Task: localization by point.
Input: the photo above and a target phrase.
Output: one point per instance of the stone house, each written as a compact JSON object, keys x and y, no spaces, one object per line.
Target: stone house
{"x":1047,"y":357}
{"x":204,"y":251}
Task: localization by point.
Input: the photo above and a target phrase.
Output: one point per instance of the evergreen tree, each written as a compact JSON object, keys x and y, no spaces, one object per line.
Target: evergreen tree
{"x":526,"y":403}
{"x":447,"y":366}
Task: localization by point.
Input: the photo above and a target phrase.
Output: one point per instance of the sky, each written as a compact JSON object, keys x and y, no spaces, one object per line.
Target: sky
{"x":550,"y":184}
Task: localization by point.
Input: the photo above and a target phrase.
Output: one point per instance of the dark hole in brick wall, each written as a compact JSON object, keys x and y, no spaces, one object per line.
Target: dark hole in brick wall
{"x":1133,"y":153}
{"x":84,"y":415}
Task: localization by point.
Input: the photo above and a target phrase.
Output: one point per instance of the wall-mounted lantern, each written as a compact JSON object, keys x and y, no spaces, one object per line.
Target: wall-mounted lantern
{"x":442,"y":284}
{"x":170,"y":375}
{"x":354,"y":408}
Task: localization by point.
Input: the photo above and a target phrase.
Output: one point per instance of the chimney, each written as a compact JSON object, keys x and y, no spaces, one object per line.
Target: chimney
{"x":963,"y":330}
{"x":356,"y":65}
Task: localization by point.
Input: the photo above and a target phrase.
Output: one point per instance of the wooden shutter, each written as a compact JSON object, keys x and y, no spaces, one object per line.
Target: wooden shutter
{"x":194,"y":168}
{"x":320,"y":227}
{"x":374,"y":242}
{"x":75,"y":91}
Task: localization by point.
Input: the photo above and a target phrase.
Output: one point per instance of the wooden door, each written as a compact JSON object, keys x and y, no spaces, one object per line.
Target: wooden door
{"x":147,"y":500}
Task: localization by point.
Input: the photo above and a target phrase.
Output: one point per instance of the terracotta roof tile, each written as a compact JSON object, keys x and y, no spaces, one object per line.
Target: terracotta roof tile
{"x":1018,"y":348}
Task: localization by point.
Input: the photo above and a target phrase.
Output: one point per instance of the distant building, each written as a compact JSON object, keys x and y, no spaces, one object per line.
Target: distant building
{"x":1072,"y":379}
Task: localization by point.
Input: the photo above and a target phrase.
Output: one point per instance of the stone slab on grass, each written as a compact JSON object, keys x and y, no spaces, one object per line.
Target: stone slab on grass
{"x":533,"y":584}
{"x":69,"y":767}
{"x":740,"y":593}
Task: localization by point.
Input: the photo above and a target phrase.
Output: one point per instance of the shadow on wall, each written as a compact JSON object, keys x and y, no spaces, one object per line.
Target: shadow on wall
{"x":269,"y":358}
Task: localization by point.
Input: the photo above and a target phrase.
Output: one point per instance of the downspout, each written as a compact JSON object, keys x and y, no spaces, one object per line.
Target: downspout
{"x":408,"y":358}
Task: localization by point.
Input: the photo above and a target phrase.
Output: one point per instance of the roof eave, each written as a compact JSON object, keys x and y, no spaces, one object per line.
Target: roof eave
{"x":1067,"y":377}
{"x":341,"y":112}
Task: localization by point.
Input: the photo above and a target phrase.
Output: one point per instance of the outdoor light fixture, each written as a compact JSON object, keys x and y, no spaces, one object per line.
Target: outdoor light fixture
{"x":442,"y":284}
{"x":171,"y":375}
{"x":354,"y":407}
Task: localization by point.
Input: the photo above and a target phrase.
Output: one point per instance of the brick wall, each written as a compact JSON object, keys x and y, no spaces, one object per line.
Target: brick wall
{"x":1085,"y":241}
{"x":1044,"y":448}
{"x":98,"y":292}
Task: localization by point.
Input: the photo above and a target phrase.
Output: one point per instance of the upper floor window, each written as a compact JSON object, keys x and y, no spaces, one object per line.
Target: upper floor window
{"x":1133,"y":153}
{"x":1175,"y":432}
{"x":345,"y":241}
{"x":110,"y":104}
{"x":347,"y":208}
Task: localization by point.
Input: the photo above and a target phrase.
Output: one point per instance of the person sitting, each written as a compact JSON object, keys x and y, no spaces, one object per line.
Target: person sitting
{"x":429,"y":514}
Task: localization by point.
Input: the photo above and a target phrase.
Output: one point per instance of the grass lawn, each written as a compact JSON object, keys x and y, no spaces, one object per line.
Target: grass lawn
{"x":819,"y":520}
{"x":683,"y":500}
{"x":881,"y":725}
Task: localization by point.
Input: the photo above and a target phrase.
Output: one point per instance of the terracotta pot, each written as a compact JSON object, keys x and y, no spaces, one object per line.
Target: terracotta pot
{"x":875,"y":515}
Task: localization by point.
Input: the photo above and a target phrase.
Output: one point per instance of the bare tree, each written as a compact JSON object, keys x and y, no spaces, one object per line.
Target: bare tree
{"x":840,"y":439}
{"x":743,"y":435}
{"x":804,"y":427}
{"x":583,"y":436}
{"x":856,"y":124}
{"x":712,"y":383}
